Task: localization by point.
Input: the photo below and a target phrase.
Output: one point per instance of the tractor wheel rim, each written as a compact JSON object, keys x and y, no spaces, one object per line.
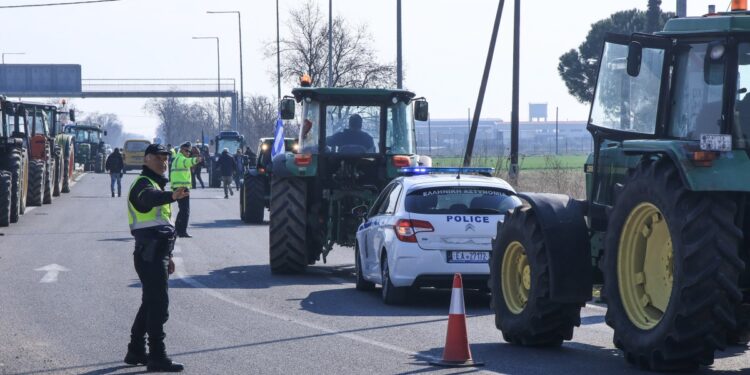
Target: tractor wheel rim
{"x":515,"y":277}
{"x":645,"y":266}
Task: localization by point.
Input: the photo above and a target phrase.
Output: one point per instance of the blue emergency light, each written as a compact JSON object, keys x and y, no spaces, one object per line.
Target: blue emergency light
{"x":413,"y":171}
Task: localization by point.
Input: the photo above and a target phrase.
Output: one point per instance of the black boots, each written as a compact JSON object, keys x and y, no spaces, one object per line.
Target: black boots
{"x":164,"y":364}
{"x":136,"y":355}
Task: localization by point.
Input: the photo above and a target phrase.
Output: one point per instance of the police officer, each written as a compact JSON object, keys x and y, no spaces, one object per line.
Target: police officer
{"x":181,"y":178}
{"x":150,"y":220}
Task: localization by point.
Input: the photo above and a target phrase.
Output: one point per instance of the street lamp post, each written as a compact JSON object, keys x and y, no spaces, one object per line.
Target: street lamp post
{"x":11,"y":53}
{"x":242,"y":80}
{"x":218,"y":76}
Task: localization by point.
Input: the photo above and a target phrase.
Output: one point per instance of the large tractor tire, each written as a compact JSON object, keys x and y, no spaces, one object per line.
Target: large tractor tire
{"x":288,"y":227}
{"x":68,"y":167}
{"x":48,"y":177}
{"x":671,"y":268}
{"x":5,"y":183}
{"x":57,"y":180}
{"x":253,"y":199}
{"x":36,"y":183}
{"x":19,"y":172}
{"x":520,"y":283}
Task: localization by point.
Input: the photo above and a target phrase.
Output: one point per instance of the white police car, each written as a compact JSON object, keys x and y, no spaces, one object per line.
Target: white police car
{"x":423,"y":228}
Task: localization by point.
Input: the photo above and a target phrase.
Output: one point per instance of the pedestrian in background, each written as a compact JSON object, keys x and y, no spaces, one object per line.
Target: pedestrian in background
{"x":150,"y":221}
{"x":226,"y":167}
{"x":239,"y":170}
{"x":180,"y":178}
{"x":115,"y":166}
{"x":196,"y":170}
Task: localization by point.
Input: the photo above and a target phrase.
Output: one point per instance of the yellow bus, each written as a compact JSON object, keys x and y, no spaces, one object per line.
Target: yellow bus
{"x":132,"y":153}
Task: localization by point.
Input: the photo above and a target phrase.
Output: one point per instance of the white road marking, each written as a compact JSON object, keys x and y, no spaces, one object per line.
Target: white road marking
{"x":52,"y":271}
{"x":286,"y":318}
{"x":596,"y":307}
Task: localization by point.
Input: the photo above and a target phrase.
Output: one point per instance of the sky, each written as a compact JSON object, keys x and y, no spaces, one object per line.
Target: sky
{"x":445,"y":46}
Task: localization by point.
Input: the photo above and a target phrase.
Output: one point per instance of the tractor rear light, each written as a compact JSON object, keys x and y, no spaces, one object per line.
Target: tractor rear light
{"x":739,"y":5}
{"x":302,"y":160}
{"x":401,"y":161}
{"x":406,"y":230}
{"x":703,"y":158}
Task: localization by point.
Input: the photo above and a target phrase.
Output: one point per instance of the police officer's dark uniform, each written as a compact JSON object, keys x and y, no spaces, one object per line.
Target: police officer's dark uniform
{"x":149,"y":216}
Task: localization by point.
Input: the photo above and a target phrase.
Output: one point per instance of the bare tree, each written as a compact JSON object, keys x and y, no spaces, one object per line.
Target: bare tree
{"x":181,"y":121}
{"x":306,"y":51}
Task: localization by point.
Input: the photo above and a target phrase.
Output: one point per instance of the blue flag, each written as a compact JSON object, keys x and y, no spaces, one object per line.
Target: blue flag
{"x":278,"y":140}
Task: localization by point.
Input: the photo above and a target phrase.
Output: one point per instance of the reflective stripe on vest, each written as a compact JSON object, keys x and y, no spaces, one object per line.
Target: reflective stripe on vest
{"x":157,"y":216}
{"x":180,"y":175}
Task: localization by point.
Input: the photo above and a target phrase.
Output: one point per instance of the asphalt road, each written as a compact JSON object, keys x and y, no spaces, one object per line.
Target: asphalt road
{"x":229,"y":315}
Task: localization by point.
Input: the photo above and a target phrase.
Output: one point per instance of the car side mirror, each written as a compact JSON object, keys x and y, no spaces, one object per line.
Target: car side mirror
{"x":421,"y":110}
{"x":287,"y":109}
{"x":635,"y":54}
{"x":360,"y":212}
{"x":105,"y":133}
{"x":72,"y":115}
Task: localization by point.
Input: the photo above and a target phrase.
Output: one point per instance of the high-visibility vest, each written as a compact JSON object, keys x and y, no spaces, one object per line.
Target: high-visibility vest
{"x":157,"y":216}
{"x":180,"y":176}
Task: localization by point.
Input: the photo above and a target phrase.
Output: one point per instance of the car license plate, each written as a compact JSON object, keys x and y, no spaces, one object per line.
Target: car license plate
{"x":716,"y":142}
{"x":468,"y":257}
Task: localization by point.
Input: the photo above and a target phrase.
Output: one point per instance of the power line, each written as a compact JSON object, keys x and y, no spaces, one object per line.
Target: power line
{"x":56,"y":4}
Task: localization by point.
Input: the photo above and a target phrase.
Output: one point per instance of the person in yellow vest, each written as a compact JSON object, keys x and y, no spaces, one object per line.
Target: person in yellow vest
{"x":150,"y":221}
{"x":181,"y":178}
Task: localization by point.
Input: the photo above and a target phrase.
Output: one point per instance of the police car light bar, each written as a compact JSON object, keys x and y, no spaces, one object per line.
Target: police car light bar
{"x":412,"y":171}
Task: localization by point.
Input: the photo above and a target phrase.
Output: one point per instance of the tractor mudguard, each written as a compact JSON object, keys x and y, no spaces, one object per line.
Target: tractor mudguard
{"x":567,"y":241}
{"x":730,"y":172}
{"x":279,"y":166}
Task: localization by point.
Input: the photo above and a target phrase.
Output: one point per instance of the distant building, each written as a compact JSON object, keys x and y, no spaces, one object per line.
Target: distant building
{"x":447,"y":137}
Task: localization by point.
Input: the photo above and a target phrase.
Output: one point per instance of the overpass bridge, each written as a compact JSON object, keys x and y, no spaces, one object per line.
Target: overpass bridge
{"x":143,"y":88}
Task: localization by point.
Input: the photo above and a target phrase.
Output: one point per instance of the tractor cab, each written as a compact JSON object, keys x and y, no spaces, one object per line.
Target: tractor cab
{"x":682,"y":93}
{"x":348,"y":132}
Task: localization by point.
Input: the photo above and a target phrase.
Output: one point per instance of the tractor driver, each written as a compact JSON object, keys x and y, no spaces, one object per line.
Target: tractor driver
{"x":353,"y":139}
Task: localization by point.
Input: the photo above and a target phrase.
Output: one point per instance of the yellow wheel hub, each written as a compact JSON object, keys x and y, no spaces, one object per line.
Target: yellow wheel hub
{"x":515,"y":277}
{"x":645,"y":266}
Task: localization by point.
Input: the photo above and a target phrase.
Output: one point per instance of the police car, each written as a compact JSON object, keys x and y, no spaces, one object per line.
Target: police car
{"x":428,"y":225}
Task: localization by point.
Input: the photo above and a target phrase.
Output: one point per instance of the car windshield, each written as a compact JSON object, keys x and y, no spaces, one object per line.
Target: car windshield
{"x":460,"y":200}
{"x":136,"y":146}
{"x":231,"y":144}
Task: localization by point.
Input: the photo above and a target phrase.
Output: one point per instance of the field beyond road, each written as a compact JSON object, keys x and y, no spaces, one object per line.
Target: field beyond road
{"x":525,"y":162}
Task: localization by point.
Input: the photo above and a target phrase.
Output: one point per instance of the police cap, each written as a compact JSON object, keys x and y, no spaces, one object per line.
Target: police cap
{"x":156,"y":149}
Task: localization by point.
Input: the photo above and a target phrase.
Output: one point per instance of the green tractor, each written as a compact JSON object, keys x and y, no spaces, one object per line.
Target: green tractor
{"x":666,"y":220}
{"x":14,"y":163}
{"x":230,"y":140}
{"x":352,"y":142}
{"x":255,"y":192}
{"x":66,"y":145}
{"x":89,"y":146}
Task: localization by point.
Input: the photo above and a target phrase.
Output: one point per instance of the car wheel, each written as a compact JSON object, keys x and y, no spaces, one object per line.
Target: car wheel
{"x":361,"y":283}
{"x":392,"y":295}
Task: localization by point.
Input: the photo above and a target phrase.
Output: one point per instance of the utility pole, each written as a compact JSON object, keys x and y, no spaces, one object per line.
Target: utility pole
{"x":399,"y":57}
{"x":278,"y":60}
{"x":218,"y":75}
{"x":557,"y":131}
{"x":681,"y":8}
{"x":513,"y":172}
{"x":483,"y":87}
{"x":330,"y":43}
{"x":242,"y":79}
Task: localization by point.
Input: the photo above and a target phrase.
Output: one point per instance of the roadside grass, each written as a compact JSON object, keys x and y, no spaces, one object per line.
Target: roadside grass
{"x":538,"y":173}
{"x":525,"y":162}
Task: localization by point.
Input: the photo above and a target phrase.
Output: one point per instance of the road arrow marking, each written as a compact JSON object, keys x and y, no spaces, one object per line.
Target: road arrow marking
{"x":52,"y":271}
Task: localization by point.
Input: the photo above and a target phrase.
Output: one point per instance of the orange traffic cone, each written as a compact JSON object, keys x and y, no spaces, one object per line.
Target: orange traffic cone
{"x":457,"y":352}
